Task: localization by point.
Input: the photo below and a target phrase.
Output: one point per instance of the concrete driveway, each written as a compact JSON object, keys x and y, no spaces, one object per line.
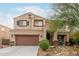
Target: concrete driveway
{"x":19,"y":51}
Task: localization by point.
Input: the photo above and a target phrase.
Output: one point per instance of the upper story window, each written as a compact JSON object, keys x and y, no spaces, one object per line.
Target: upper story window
{"x":22,"y":22}
{"x":38,"y":23}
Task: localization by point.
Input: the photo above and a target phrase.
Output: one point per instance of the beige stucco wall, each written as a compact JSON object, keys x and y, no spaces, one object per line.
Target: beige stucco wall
{"x":31,"y":22}
{"x":4,"y":33}
{"x":41,"y":33}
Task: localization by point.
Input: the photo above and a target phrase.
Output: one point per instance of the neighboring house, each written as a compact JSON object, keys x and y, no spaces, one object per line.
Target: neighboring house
{"x":29,"y":29}
{"x":4,"y":35}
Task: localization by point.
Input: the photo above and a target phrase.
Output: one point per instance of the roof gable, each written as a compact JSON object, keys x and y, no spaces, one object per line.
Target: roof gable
{"x":2,"y":26}
{"x":29,"y":13}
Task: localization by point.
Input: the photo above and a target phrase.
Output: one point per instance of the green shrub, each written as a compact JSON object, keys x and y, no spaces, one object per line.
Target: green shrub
{"x":76,"y":41}
{"x":71,"y":41}
{"x":44,"y":44}
{"x":75,"y":37}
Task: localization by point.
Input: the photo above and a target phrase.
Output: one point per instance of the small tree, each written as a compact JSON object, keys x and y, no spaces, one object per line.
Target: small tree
{"x":54,"y":26}
{"x":69,"y":12}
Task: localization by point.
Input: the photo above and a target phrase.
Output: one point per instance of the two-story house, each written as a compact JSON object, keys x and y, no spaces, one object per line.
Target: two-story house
{"x":29,"y":29}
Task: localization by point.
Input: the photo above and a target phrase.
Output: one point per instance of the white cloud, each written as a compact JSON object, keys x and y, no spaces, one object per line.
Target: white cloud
{"x":36,"y":10}
{"x":6,"y":20}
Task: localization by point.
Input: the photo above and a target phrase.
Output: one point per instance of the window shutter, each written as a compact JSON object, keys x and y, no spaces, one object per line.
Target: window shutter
{"x":17,"y":22}
{"x":27,"y":22}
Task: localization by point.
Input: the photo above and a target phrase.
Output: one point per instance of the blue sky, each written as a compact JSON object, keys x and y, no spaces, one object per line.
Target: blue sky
{"x":10,"y":10}
{"x":12,"y":6}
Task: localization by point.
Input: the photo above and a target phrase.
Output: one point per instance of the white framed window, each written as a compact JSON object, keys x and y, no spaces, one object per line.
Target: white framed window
{"x":23,"y":23}
{"x":38,"y":23}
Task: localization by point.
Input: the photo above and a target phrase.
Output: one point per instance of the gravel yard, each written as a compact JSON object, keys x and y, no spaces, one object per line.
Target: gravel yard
{"x":60,"y":51}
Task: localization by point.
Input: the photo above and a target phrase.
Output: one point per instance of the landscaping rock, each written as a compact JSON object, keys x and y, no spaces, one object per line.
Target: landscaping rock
{"x":62,"y":51}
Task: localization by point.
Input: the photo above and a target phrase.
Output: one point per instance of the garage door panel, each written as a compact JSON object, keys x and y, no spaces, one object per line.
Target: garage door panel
{"x":27,"y":39}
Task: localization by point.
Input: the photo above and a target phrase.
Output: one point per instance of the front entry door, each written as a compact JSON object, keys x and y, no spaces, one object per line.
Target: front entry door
{"x":60,"y":39}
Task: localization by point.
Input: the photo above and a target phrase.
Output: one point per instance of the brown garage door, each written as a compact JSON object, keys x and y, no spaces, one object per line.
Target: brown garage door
{"x":22,"y":40}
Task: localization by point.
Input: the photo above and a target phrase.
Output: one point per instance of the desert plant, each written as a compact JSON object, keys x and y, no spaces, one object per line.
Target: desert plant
{"x":44,"y":44}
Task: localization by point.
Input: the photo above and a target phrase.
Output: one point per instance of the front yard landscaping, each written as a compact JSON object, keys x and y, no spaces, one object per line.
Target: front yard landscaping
{"x":66,"y":20}
{"x":45,"y":49}
{"x":59,"y":51}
